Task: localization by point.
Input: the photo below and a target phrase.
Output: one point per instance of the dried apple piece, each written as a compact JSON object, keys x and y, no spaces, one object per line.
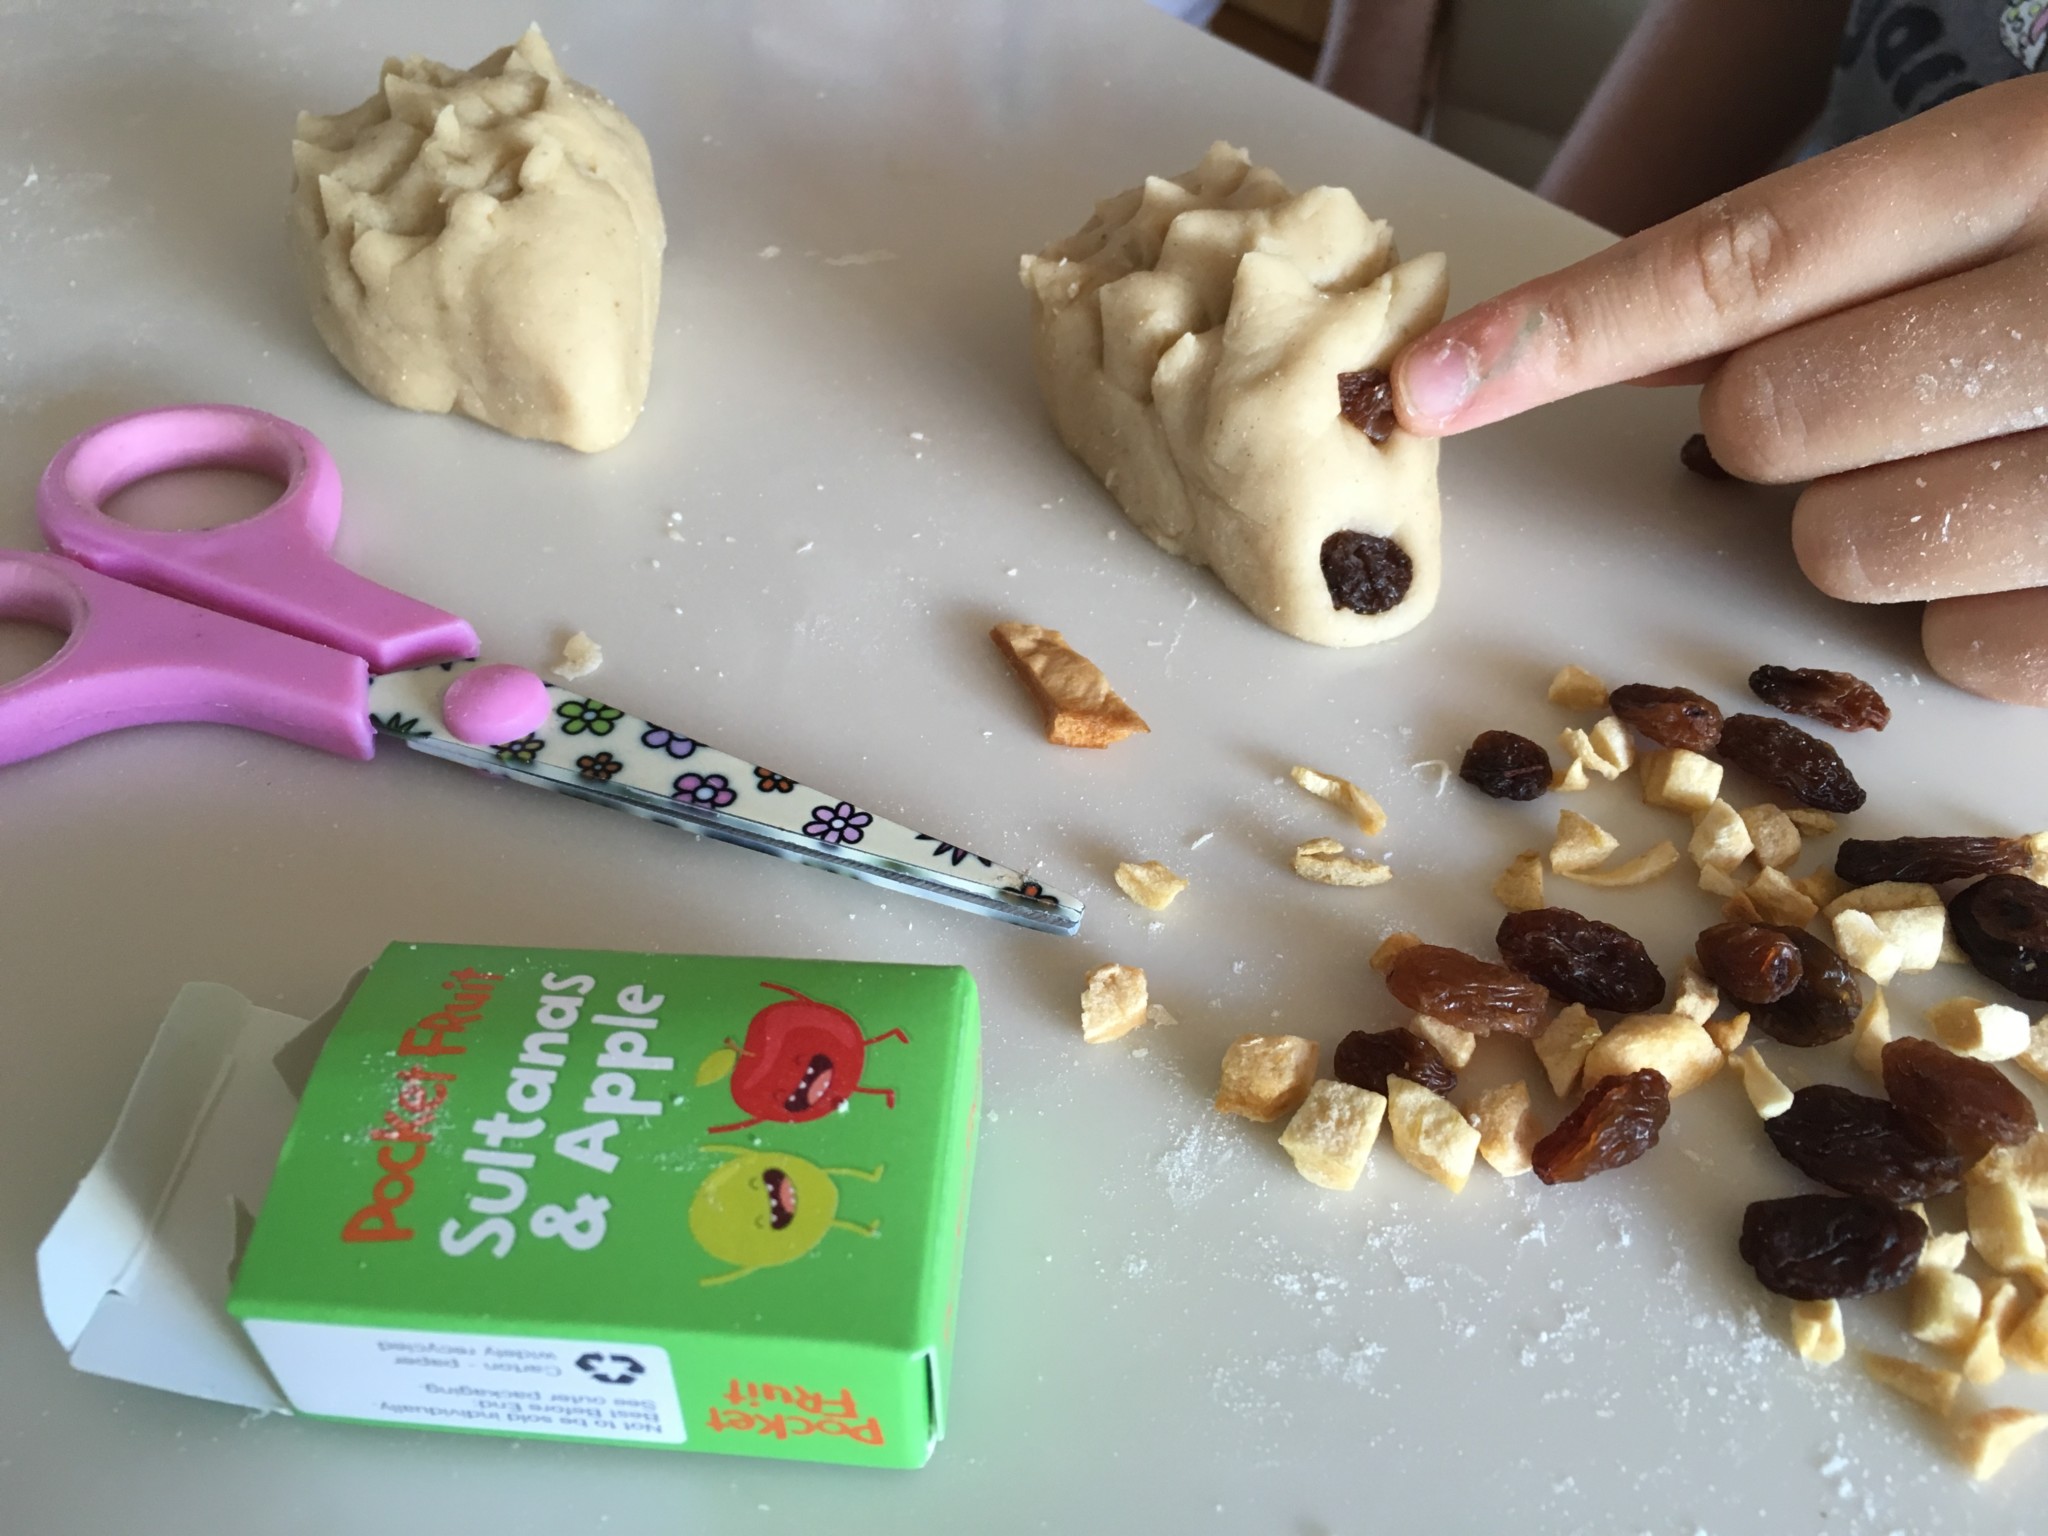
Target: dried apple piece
{"x":1080,"y":708}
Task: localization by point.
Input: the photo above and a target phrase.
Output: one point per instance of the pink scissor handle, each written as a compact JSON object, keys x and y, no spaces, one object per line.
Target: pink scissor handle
{"x":272,"y":569}
{"x":135,"y":657}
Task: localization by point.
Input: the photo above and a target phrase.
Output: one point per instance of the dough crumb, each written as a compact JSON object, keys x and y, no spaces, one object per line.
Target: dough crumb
{"x":581,"y":656}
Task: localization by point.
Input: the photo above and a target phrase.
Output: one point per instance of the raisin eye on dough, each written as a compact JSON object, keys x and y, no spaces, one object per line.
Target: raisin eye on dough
{"x":1214,"y":348}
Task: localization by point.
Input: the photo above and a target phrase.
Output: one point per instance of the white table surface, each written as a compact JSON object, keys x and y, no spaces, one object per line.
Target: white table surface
{"x":1163,"y":1329}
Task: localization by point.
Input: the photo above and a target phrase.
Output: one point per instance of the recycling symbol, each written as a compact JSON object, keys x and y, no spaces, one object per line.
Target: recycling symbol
{"x":612,"y":1370}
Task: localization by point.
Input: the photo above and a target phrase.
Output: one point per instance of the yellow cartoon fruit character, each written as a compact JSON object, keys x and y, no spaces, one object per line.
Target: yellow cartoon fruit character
{"x":760,"y":1209}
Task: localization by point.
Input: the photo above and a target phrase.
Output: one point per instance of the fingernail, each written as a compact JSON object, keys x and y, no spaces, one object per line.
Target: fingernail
{"x":1436,"y":384}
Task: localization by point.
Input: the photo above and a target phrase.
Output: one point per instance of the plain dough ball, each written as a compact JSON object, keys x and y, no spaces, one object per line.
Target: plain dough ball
{"x":485,"y":241}
{"x":1188,"y":340}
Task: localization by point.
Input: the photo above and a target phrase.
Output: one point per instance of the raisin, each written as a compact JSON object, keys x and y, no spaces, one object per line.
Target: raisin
{"x":1929,"y":860}
{"x":1813,"y":1247}
{"x":1367,"y":1060}
{"x":1671,"y":717}
{"x":1696,"y":456}
{"x":1366,"y":400}
{"x":1463,"y":990}
{"x":1752,"y":963}
{"x":1822,"y":1007}
{"x":2002,"y":924}
{"x":1366,"y":573}
{"x":1782,"y":754}
{"x":1506,"y":766}
{"x":1581,"y":959}
{"x":1840,"y":699}
{"x":1954,"y":1105}
{"x":1861,"y":1146}
{"x":1613,"y":1125}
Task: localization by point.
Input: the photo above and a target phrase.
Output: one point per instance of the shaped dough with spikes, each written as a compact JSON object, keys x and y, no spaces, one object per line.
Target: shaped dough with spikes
{"x":485,"y":241}
{"x":1190,"y":339}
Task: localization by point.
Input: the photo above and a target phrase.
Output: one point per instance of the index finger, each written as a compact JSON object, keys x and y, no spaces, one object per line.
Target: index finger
{"x":1931,"y":196}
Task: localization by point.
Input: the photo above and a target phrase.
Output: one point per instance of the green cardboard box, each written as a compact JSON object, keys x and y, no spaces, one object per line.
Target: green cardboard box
{"x":707,"y":1204}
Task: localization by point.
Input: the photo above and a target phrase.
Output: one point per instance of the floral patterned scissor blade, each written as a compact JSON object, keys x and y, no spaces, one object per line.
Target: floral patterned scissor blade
{"x":599,"y":752}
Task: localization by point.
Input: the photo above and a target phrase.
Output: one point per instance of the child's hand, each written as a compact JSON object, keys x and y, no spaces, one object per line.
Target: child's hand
{"x":1875,"y":321}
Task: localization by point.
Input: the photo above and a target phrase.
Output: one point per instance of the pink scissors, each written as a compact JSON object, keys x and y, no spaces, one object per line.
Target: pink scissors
{"x":255,"y":624}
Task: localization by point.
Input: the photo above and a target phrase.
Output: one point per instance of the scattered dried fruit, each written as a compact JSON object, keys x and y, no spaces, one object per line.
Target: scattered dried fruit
{"x":1613,"y":1125}
{"x":2002,"y":1226}
{"x":1680,"y":780}
{"x":1576,"y":688}
{"x":1364,"y":572}
{"x":1464,"y":991}
{"x":2027,"y":1345}
{"x":1365,"y":1059}
{"x":1964,"y":1108}
{"x":1580,"y":844}
{"x":1861,"y":1146}
{"x":1985,"y":1441}
{"x":1942,"y":1307}
{"x":1983,"y":1031}
{"x":1811,"y":820}
{"x":1080,"y":708}
{"x":1430,"y":1133}
{"x":1571,"y":856}
{"x":1777,"y":900}
{"x":1817,"y":1331}
{"x":1774,"y":834}
{"x":1889,"y":896}
{"x":1563,"y":1045}
{"x":1929,"y":860}
{"x":1507,"y":1130}
{"x":1605,"y":749}
{"x":1696,"y":456}
{"x":1728,"y":1034}
{"x":1984,"y":1355}
{"x":1112,"y":1002}
{"x":1332,"y":1133}
{"x":1782,"y":754}
{"x":1751,"y":963}
{"x":1873,"y":1034}
{"x":1767,"y":1093}
{"x":1323,"y":860}
{"x":1266,"y":1076}
{"x":1822,"y":1007}
{"x":2001,"y":923}
{"x":1151,"y":884}
{"x":1520,"y":886}
{"x":1364,"y":810}
{"x":1811,"y":1247}
{"x":1681,"y":1050}
{"x":1390,"y":947}
{"x":1506,"y":766}
{"x":1697,"y":997}
{"x":1917,"y":1383}
{"x":1720,"y":838}
{"x":1453,"y":1044}
{"x":1581,"y":959}
{"x":1861,"y":944}
{"x":1366,"y":400}
{"x":1671,"y":717}
{"x":1839,"y":699}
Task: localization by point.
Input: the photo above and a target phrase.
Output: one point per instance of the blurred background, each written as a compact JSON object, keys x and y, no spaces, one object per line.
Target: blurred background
{"x":1457,"y":71}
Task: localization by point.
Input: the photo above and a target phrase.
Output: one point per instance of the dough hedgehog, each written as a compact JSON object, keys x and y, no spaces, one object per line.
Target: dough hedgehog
{"x":1213,"y":348}
{"x":486,"y":241}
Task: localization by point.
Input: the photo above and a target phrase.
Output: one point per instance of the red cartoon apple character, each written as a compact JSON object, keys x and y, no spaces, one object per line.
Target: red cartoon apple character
{"x":800,"y":1061}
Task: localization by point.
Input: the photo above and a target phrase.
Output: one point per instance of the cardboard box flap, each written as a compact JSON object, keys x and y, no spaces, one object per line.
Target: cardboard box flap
{"x":135,"y":1273}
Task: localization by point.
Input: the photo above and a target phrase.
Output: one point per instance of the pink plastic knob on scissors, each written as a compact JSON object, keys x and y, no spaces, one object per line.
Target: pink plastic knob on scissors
{"x":272,"y":569}
{"x":137,"y":658}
